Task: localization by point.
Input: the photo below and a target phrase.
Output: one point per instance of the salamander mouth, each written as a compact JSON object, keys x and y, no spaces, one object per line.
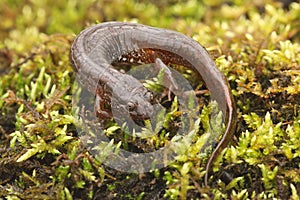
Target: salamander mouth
{"x":134,"y":116}
{"x":146,"y":114}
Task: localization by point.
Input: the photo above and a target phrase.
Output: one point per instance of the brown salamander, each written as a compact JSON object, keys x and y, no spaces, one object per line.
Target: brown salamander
{"x":97,"y":47}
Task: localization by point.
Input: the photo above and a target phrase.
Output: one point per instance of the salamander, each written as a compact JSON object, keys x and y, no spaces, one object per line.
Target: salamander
{"x":95,"y":49}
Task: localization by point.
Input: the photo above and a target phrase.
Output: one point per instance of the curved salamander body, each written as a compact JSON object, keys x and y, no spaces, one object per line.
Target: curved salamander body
{"x":96,"y":48}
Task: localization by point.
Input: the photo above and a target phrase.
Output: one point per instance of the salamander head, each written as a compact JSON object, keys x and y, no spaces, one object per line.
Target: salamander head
{"x":130,"y":96}
{"x":139,"y":106}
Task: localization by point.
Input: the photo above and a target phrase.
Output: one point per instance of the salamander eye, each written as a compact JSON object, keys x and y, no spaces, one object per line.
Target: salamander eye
{"x":131,"y":106}
{"x":149,"y":96}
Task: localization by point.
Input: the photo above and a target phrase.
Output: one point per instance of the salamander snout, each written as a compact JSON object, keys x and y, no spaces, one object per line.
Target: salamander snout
{"x":140,"y":109}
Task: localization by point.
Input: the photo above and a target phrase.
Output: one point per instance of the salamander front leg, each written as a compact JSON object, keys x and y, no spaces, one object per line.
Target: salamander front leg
{"x":102,"y":113}
{"x":169,"y":80}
